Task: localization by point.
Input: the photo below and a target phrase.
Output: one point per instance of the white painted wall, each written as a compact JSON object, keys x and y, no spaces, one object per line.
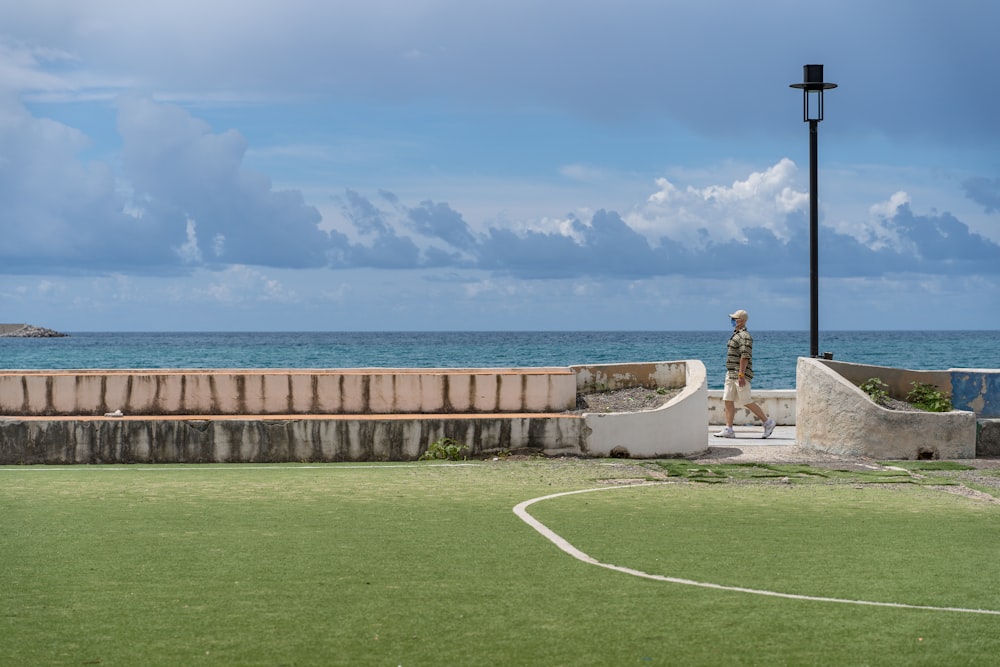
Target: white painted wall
{"x":674,"y":429}
{"x":778,"y":404}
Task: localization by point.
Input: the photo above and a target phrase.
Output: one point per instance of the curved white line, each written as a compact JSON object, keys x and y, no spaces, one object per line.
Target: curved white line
{"x":521,"y":510}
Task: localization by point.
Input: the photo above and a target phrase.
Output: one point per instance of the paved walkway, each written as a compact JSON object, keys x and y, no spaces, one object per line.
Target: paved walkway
{"x":750,"y":436}
{"x":780,"y":448}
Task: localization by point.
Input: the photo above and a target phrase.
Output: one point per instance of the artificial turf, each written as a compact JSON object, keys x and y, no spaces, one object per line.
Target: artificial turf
{"x":426,"y":564}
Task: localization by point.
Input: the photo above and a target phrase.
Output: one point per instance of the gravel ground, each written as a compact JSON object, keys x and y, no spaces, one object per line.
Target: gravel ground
{"x":630,"y":399}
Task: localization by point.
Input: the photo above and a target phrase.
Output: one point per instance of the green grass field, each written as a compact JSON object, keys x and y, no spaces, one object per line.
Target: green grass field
{"x":423,"y":564}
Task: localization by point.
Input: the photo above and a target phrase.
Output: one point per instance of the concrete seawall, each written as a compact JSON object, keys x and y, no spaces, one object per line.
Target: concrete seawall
{"x":286,"y":391}
{"x":338,"y":415}
{"x":258,"y":439}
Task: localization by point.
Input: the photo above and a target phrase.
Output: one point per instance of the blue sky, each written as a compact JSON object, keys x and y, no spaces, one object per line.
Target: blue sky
{"x":481,"y":165}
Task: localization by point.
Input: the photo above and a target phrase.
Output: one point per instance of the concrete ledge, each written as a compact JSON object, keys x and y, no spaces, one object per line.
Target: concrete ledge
{"x":674,"y":429}
{"x":834,"y":415}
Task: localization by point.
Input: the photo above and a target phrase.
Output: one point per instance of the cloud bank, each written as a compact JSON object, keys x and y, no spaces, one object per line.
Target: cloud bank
{"x":185,"y":200}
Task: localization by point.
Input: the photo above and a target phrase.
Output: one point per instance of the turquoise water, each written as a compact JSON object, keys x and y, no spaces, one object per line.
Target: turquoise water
{"x":775,"y":352}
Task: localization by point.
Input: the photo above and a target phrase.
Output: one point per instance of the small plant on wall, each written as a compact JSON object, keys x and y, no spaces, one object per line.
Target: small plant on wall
{"x":925,"y":397}
{"x":876,"y":390}
{"x":928,"y":397}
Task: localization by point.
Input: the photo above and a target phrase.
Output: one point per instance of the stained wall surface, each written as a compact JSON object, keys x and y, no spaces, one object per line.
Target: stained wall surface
{"x":196,"y":416}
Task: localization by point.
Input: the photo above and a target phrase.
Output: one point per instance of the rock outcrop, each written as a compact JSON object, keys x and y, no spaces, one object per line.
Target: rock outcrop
{"x":28,"y":331}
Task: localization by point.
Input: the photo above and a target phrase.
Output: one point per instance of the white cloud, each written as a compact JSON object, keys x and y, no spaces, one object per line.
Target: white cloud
{"x":239,"y":284}
{"x":509,"y":166}
{"x":719,"y":213}
{"x":22,"y":67}
{"x":189,"y":252}
{"x":888,"y":209}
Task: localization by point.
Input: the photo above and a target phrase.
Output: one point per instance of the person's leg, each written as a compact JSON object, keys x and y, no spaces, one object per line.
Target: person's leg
{"x":761,"y":415}
{"x":730,"y":409}
{"x":730,"y":394}
{"x":756,"y":410}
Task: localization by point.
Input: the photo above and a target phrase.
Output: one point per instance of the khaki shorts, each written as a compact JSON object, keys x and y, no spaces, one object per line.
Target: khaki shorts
{"x":732,"y":391}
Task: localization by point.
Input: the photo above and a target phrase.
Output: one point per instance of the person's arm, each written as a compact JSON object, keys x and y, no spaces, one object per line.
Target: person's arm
{"x":743,"y":369}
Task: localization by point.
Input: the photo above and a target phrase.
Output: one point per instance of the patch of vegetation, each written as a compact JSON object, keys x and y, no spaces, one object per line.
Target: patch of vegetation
{"x":796,"y":474}
{"x":982,"y":488}
{"x":923,"y":396}
{"x":928,"y":397}
{"x":446,"y":449}
{"x":877,"y":390}
{"x":918,"y":466}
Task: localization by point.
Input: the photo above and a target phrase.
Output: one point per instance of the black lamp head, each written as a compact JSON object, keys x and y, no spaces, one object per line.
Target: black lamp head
{"x":812,"y":92}
{"x":813,"y":75}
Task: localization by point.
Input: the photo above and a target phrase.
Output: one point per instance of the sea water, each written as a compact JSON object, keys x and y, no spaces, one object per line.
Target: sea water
{"x":775,"y":352}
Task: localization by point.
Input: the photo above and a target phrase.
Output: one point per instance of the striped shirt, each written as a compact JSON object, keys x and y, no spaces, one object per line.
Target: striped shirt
{"x":740,"y":347}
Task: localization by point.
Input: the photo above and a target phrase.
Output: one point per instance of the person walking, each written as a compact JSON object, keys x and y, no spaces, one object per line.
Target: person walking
{"x":739,"y":372}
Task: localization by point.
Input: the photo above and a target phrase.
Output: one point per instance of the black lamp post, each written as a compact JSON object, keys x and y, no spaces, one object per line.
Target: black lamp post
{"x":812,"y":112}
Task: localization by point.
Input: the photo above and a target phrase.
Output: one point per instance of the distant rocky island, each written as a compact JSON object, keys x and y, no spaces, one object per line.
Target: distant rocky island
{"x":27,"y":331}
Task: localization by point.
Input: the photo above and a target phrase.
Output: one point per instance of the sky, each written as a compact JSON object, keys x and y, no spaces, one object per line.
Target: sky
{"x":446,"y":165}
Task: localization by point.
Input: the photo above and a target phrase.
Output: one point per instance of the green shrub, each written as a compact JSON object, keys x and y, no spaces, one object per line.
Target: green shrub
{"x":876,"y":390}
{"x":928,"y":397}
{"x":445,"y":448}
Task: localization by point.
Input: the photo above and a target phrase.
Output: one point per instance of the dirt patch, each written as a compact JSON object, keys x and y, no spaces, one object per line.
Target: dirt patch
{"x":782,"y":454}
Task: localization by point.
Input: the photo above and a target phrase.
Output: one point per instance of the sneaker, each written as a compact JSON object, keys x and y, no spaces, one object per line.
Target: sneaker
{"x":726,"y":432}
{"x":768,"y":428}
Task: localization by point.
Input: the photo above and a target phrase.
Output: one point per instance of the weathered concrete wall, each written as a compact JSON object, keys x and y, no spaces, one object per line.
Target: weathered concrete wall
{"x":674,"y":429}
{"x":988,"y":437}
{"x":286,"y":392}
{"x":977,"y":390}
{"x":605,"y":377}
{"x":898,"y":379}
{"x":974,"y":390}
{"x":778,"y":404}
{"x":228,"y":416}
{"x":234,"y":440}
{"x":834,"y":415}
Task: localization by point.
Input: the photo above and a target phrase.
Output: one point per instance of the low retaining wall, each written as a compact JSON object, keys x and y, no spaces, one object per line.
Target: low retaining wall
{"x":778,"y":404}
{"x":834,"y":415}
{"x":677,"y":428}
{"x":220,"y":439}
{"x":203,"y":422}
{"x":287,"y":392}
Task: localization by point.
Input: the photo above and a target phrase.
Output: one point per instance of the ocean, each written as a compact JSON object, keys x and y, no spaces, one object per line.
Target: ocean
{"x":775,"y":352}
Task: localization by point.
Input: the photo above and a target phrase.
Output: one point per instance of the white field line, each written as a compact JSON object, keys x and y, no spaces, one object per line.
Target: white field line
{"x":521,"y":510}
